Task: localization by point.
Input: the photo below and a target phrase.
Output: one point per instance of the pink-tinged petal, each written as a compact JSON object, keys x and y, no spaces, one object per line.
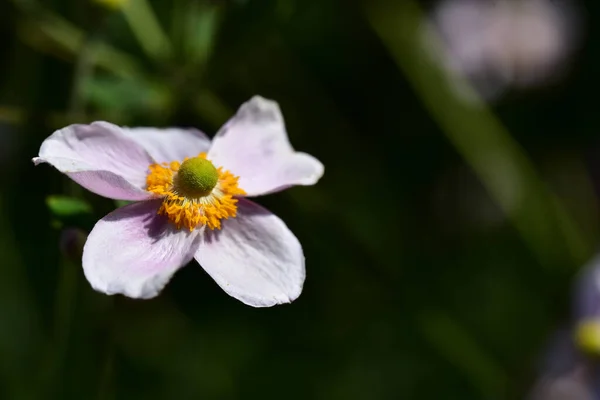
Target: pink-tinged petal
{"x":254,"y":145}
{"x":100,"y":158}
{"x":254,"y":258}
{"x":134,"y":251}
{"x":171,"y":144}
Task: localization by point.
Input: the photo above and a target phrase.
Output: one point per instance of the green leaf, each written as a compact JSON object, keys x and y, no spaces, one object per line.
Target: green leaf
{"x":129,"y":96}
{"x":64,"y":206}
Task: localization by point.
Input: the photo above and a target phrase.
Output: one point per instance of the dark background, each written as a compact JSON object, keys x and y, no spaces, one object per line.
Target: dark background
{"x":427,"y":277}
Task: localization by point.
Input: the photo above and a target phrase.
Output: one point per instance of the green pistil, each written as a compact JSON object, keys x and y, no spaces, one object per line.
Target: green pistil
{"x":196,"y":178}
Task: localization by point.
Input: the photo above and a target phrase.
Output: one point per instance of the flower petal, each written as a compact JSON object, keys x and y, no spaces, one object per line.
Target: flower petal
{"x":254,"y":145}
{"x":171,"y":144}
{"x":135,"y":252}
{"x":254,"y":258}
{"x":587,"y":292}
{"x":100,"y":158}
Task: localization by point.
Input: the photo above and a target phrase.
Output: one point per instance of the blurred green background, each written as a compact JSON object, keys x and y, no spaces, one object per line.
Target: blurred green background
{"x":441,"y":244}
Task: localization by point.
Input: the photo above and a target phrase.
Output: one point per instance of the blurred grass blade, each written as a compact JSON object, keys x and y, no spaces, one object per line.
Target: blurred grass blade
{"x":454,"y":342}
{"x":112,"y":4}
{"x":212,"y":108}
{"x":22,"y":328}
{"x":64,"y":206}
{"x":201,"y":23}
{"x":52,"y":34}
{"x":147,"y":29}
{"x":481,"y":139}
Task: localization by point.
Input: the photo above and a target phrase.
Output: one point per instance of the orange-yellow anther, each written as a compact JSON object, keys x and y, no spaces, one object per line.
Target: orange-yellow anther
{"x":194,"y":212}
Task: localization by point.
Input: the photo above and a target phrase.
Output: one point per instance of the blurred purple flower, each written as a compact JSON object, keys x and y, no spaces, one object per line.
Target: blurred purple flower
{"x":570,"y":369}
{"x":566,"y":373}
{"x":185,"y":188}
{"x":587,"y":293}
{"x":503,"y":43}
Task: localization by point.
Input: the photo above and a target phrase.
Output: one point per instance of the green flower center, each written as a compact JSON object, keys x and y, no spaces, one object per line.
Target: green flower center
{"x":196,"y":177}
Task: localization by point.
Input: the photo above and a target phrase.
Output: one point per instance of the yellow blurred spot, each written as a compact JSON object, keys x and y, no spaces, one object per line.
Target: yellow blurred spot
{"x":114,"y":4}
{"x":587,"y":336}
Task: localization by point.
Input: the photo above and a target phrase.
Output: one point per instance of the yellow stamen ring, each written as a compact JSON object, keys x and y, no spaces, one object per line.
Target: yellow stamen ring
{"x":194,"y":192}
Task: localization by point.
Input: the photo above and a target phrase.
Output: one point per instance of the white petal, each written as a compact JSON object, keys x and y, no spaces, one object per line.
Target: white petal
{"x":100,"y":158}
{"x":254,"y":145}
{"x":171,"y":144}
{"x":135,"y":252}
{"x":254,"y":258}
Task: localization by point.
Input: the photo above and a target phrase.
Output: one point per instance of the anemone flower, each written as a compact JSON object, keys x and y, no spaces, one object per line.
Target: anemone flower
{"x":190,"y":201}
